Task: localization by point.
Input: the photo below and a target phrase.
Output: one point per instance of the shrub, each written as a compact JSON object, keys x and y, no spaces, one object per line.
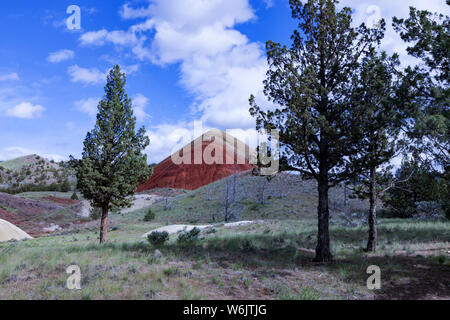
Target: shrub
{"x":189,"y":236}
{"x":157,"y":238}
{"x":149,"y":216}
{"x":74,"y":196}
{"x":429,"y":210}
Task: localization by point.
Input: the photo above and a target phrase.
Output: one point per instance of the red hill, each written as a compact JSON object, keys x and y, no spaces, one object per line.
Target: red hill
{"x":231,"y":156}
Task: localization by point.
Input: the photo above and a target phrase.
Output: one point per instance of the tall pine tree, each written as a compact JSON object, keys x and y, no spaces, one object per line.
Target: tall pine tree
{"x":379,"y":119}
{"x":310,"y":82}
{"x":113,"y":164}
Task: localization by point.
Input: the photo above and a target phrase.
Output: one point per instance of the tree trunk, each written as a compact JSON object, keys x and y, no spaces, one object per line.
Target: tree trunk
{"x":323,"y":253}
{"x":104,"y":225}
{"x":373,"y":233}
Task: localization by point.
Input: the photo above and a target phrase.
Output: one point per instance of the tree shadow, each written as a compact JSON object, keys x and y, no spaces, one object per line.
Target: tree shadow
{"x":402,"y":276}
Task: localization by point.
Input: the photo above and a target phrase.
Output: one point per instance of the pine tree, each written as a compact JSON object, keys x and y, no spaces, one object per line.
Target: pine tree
{"x":428,"y":83}
{"x":113,"y":165}
{"x":310,"y":84}
{"x":379,"y":120}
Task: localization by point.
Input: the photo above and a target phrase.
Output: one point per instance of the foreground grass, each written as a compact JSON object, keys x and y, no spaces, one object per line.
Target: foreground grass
{"x":268,"y":260}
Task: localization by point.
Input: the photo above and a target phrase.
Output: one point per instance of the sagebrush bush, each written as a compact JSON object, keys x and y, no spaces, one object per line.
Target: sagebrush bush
{"x":157,"y":238}
{"x":189,"y":236}
{"x":149,"y":216}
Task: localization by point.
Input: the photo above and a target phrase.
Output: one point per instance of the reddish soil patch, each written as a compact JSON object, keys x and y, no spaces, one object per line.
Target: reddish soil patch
{"x":64,"y":202}
{"x":26,"y":222}
{"x":192,"y":176}
{"x":31,"y":215}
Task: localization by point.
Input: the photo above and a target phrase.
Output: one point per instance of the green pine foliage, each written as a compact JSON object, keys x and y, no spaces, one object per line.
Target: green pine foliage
{"x":419,"y":184}
{"x":428,"y":83}
{"x":310,"y":83}
{"x":113,"y":163}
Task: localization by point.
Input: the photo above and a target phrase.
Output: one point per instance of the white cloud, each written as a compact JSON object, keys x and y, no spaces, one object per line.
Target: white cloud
{"x":140,"y":103}
{"x":131,"y":69}
{"x":86,"y":76}
{"x":219,"y":65}
{"x":88,"y":106}
{"x":9,"y":77}
{"x":59,"y":56}
{"x":127,"y":12}
{"x":14,"y":152}
{"x":25,"y":110}
{"x":99,"y":38}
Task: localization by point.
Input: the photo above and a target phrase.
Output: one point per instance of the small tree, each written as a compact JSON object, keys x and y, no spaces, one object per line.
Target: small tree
{"x":113,"y":164}
{"x":229,"y":199}
{"x":149,"y":216}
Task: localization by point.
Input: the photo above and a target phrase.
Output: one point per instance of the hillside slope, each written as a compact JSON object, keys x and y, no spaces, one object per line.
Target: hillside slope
{"x":34,"y":170}
{"x":283,"y":196}
{"x":192,"y":176}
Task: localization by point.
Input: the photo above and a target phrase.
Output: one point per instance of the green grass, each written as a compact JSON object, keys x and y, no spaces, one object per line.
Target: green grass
{"x":269,"y":260}
{"x":43,"y":194}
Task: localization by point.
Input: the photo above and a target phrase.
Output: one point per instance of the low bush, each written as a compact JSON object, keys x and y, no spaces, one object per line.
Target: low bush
{"x":191,"y":236}
{"x":157,"y":238}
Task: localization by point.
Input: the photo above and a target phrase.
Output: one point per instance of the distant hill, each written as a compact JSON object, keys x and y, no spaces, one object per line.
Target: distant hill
{"x":192,"y":176}
{"x":34,"y":170}
{"x":18,"y":163}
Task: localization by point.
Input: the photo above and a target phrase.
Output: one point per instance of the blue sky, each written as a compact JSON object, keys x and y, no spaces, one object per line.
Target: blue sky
{"x":185,"y":60}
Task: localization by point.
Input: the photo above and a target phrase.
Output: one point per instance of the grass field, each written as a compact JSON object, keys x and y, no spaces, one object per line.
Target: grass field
{"x":271,"y":259}
{"x":44,"y":194}
{"x":268,"y":260}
